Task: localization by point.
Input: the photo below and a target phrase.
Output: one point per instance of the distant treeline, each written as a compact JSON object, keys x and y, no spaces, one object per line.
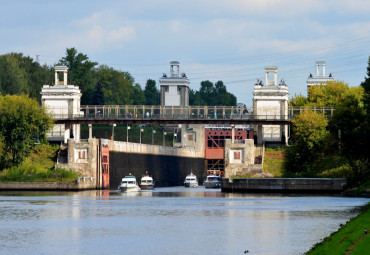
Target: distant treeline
{"x":99,"y":84}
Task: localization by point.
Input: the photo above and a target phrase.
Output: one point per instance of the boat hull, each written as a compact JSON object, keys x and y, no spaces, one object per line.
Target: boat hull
{"x":212,"y":185}
{"x":129,"y":189}
{"x":190,"y":184}
{"x":146,"y":187}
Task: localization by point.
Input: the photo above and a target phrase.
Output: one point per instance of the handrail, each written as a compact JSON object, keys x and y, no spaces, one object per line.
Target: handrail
{"x":150,"y":112}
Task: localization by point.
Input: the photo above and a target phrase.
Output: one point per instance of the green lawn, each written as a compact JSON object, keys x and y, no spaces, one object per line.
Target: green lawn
{"x":350,"y":239}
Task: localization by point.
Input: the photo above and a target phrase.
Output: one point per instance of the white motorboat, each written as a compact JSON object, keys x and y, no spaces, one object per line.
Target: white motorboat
{"x":212,"y":182}
{"x":129,"y":184}
{"x":146,"y":182}
{"x":191,"y":181}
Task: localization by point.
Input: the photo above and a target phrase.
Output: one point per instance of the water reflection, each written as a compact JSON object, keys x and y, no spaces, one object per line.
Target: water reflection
{"x":166,"y":221}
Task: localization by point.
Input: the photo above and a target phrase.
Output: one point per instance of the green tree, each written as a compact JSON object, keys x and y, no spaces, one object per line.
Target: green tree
{"x":308,"y":138}
{"x":80,"y":72}
{"x":298,"y":100}
{"x":207,"y":92}
{"x":98,"y":96}
{"x":35,"y":74}
{"x":22,"y":124}
{"x":151,"y":93}
{"x":138,"y":95}
{"x":116,"y":85}
{"x":13,"y":79}
{"x":366,"y":103}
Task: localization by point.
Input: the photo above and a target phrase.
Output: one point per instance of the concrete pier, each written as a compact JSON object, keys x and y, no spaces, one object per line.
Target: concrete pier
{"x":285,"y":185}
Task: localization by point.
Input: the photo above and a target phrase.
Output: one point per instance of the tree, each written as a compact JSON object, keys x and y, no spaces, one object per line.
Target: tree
{"x":138,"y":95}
{"x":308,"y":137}
{"x":80,"y":72}
{"x":206,"y":92}
{"x":151,"y":93}
{"x":366,"y":102}
{"x":98,"y":96}
{"x":22,"y":124}
{"x":12,"y":78}
{"x":117,"y":86}
{"x":35,"y":74}
{"x":298,"y":100}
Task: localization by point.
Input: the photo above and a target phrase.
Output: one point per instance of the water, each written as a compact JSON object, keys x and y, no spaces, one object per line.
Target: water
{"x":167,"y":221}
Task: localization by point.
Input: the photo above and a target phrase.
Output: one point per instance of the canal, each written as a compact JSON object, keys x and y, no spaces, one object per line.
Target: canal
{"x":171,"y":220}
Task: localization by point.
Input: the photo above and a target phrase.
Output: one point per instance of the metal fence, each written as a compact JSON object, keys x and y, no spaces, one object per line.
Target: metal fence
{"x":142,"y":112}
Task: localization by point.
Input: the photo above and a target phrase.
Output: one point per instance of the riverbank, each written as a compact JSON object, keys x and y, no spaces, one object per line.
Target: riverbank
{"x":349,"y":239}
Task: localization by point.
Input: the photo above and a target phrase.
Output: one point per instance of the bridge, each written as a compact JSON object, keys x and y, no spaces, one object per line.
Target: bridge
{"x":166,"y":115}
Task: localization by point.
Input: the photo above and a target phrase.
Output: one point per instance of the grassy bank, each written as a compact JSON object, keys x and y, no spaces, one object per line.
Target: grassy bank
{"x":349,"y":239}
{"x":39,"y":167}
{"x":274,"y":162}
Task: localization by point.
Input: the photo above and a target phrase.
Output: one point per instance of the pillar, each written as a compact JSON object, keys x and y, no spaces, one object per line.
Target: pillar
{"x":259,"y":134}
{"x":67,"y":132}
{"x":65,"y":78}
{"x":90,"y":131}
{"x":232,"y":133}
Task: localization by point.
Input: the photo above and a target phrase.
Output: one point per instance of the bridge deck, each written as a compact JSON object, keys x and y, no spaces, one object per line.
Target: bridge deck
{"x":141,"y":114}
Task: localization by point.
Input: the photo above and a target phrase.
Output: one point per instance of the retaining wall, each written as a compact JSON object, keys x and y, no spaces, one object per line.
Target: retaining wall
{"x":50,"y":186}
{"x":280,"y":185}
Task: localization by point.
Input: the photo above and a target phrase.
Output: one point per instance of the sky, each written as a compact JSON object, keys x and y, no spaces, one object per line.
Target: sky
{"x":213,"y":40}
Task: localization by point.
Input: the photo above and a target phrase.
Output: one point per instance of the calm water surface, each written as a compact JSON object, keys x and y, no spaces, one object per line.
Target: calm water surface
{"x":167,"y":221}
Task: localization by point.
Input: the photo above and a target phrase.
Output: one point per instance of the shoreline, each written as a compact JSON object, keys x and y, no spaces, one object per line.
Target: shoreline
{"x":348,"y":237}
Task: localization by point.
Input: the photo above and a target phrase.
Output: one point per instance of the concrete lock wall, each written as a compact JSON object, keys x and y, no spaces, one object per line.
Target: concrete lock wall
{"x":311,"y":185}
{"x":167,"y":165}
{"x":165,"y":170}
{"x":51,"y":186}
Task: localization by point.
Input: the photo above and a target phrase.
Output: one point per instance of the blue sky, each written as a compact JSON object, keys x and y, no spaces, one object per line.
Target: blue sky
{"x":213,"y":40}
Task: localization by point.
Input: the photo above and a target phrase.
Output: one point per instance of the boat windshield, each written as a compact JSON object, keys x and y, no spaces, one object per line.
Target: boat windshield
{"x":190,"y":179}
{"x":212,"y":178}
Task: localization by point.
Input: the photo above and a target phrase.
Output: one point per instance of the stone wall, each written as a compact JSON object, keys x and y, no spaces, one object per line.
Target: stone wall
{"x":84,"y":157}
{"x":240,"y":158}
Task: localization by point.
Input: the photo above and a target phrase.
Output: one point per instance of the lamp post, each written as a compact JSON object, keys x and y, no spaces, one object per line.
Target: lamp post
{"x":141,"y":130}
{"x":113,"y":131}
{"x":164,"y":134}
{"x":128,"y":128}
{"x":153,"y":136}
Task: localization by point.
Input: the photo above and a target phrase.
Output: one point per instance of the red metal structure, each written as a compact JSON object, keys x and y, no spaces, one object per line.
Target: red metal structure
{"x":105,"y":164}
{"x":215,"y":143}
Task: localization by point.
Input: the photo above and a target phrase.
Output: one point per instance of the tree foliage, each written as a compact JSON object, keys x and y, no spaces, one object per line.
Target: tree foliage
{"x":13,"y":79}
{"x":210,"y":94}
{"x":308,"y":139}
{"x":80,"y":72}
{"x":151,"y":93}
{"x":22,"y":124}
{"x":117,"y":86}
{"x":366,"y":104}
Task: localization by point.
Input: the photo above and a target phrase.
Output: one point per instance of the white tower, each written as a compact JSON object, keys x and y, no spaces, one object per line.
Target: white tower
{"x":63,"y":101}
{"x":320,"y":76}
{"x":175,"y":88}
{"x":271,"y":101}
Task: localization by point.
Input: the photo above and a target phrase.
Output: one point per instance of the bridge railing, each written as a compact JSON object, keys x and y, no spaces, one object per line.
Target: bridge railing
{"x":142,"y":112}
